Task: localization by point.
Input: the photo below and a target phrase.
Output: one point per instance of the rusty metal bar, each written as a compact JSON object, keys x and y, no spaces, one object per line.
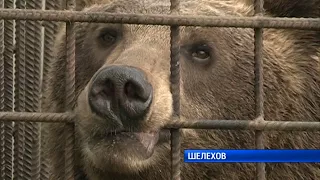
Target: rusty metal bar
{"x":188,"y":124}
{"x":35,"y":166}
{"x":37,"y":117}
{"x":27,"y":154}
{"x":6,"y":128}
{"x":1,"y":62}
{"x":258,"y":124}
{"x":258,"y":86}
{"x":179,"y":20}
{"x":31,"y":159}
{"x":2,"y":90}
{"x":50,"y":31}
{"x":20,"y":96}
{"x":246,"y":125}
{"x":70,"y":94}
{"x":175,"y":90}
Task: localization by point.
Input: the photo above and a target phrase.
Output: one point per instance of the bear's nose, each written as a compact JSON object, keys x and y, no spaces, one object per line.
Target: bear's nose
{"x":120,"y":92}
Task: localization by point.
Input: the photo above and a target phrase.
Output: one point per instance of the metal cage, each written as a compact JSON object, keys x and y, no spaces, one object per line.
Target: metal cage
{"x":20,"y":79}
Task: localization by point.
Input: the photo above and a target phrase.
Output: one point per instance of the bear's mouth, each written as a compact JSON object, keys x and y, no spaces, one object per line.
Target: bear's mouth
{"x":142,"y":142}
{"x":147,"y":139}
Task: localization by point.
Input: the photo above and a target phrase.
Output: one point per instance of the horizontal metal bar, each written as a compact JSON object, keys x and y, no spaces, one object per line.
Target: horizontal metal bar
{"x":190,"y":124}
{"x":37,"y":117}
{"x":212,"y":21}
{"x":246,"y":125}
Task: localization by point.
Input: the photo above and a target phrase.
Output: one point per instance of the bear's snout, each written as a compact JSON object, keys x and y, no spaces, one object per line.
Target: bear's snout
{"x":121,"y":94}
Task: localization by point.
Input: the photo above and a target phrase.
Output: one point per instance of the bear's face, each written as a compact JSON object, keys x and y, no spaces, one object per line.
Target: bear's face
{"x":123,"y":80}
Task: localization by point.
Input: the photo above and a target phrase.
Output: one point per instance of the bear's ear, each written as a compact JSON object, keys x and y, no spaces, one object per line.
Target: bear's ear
{"x":291,"y":8}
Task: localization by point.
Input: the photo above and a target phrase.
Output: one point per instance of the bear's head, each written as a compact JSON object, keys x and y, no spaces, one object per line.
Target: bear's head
{"x":123,"y":82}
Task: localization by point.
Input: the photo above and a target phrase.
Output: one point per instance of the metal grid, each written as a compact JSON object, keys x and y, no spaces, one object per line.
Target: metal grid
{"x":7,"y":117}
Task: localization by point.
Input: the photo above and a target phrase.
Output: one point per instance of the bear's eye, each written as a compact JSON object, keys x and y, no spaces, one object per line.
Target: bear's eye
{"x":201,"y":53}
{"x":108,"y":36}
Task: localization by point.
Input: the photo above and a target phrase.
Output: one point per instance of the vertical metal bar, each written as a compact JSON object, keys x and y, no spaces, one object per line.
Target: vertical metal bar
{"x":31,"y":158}
{"x":175,"y":90}
{"x":20,"y":99}
{"x":70,"y":94}
{"x":1,"y":64}
{"x":259,"y":99}
{"x":2,"y":92}
{"x":35,"y":166}
{"x":6,"y":128}
{"x":50,"y":31}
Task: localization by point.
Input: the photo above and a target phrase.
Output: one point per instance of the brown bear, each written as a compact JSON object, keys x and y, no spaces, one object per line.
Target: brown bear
{"x":124,"y":99}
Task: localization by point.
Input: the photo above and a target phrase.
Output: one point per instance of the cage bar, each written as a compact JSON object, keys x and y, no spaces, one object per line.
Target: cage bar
{"x":173,"y":20}
{"x":19,"y":95}
{"x":37,"y":117}
{"x":1,"y":61}
{"x":148,"y":19}
{"x":246,"y":125}
{"x":2,"y":90}
{"x":50,"y":31}
{"x":70,"y":94}
{"x":33,"y":79}
{"x":175,"y":90}
{"x":258,"y":86}
{"x":268,"y":125}
{"x":6,"y":128}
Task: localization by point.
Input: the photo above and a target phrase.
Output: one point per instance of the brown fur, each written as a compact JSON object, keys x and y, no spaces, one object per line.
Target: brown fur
{"x":80,"y":4}
{"x":221,"y":89}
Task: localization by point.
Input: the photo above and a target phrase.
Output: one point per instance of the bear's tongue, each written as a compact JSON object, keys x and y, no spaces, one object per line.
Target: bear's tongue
{"x":148,"y":140}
